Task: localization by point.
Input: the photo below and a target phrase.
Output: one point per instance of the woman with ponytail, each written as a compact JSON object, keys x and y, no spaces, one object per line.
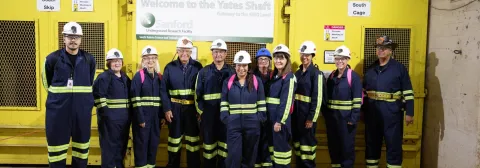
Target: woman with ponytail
{"x":242,"y":111}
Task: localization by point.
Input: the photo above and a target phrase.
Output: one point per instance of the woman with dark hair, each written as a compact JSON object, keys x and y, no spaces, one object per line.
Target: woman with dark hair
{"x":242,"y":111}
{"x":279,"y":106}
{"x":264,"y":71}
{"x":110,"y":90}
{"x":310,"y":101}
{"x":344,"y":90}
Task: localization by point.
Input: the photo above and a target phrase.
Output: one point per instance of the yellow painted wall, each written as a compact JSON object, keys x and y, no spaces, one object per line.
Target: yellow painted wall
{"x":32,"y":148}
{"x":306,"y":20}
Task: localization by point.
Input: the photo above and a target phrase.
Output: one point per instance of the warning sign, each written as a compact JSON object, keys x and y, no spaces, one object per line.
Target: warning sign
{"x":334,"y":32}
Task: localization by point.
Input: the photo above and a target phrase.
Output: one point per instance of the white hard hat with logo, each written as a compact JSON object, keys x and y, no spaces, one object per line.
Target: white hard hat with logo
{"x":342,"y":51}
{"x":242,"y":57}
{"x":72,"y":28}
{"x":307,"y":47}
{"x":149,"y":50}
{"x":114,"y":54}
{"x":219,"y":44}
{"x":281,"y":48}
{"x":184,"y":42}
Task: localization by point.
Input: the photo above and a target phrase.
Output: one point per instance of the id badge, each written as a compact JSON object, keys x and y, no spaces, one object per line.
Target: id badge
{"x":70,"y":83}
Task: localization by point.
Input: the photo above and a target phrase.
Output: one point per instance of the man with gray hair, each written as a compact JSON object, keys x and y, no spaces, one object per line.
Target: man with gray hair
{"x":179,"y":76}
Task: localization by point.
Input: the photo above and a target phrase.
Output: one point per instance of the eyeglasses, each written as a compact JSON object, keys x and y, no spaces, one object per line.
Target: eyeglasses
{"x":185,"y":51}
{"x":382,"y":48}
{"x":72,"y":37}
{"x":150,"y":58}
{"x":340,"y":59}
{"x":263,"y":59}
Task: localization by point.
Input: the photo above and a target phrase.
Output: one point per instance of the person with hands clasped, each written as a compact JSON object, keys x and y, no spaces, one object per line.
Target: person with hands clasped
{"x":243,"y":112}
{"x":310,"y":101}
{"x":111,"y":93}
{"x":344,"y":90}
{"x":279,"y":106}
{"x":147,"y":92}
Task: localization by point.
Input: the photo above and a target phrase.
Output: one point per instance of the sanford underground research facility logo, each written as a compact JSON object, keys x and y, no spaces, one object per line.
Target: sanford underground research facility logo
{"x":148,"y":20}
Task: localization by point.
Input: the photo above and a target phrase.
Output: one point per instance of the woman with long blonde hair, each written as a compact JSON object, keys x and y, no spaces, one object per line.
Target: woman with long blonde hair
{"x":147,"y":93}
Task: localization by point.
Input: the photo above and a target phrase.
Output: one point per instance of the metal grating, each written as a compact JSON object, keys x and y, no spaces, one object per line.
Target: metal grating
{"x":251,"y":48}
{"x":18,"y":64}
{"x":401,"y":36}
{"x":93,"y":40}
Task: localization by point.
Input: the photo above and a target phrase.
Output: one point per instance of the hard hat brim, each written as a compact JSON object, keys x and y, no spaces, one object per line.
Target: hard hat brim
{"x":338,"y":55}
{"x":114,"y":58}
{"x":214,"y":48}
{"x":244,"y":63}
{"x":78,"y":34}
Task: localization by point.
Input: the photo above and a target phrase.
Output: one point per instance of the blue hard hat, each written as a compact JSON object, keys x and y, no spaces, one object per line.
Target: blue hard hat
{"x":263,"y":52}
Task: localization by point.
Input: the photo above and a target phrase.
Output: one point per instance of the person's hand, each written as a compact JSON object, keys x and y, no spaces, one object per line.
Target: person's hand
{"x":308,"y":124}
{"x":142,"y":125}
{"x":408,"y":120}
{"x":349,"y":123}
{"x":277,"y":127}
{"x":169,"y":116}
{"x":199,"y":117}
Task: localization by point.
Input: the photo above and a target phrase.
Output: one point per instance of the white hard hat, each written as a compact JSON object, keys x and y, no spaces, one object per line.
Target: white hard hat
{"x":242,"y":57}
{"x":184,"y":42}
{"x":307,"y":47}
{"x":72,"y":28}
{"x":114,"y":54}
{"x":149,"y":50}
{"x":219,"y":44}
{"x":281,"y":48}
{"x":342,"y":51}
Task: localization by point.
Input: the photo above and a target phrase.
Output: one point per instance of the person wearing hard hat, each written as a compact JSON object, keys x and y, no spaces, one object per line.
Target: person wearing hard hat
{"x":264,"y":66}
{"x":264,"y":71}
{"x":243,"y":110}
{"x":310,"y":101}
{"x":344,"y":89}
{"x":279,"y":106}
{"x":180,"y":113}
{"x":68,"y":77}
{"x":208,"y":88}
{"x":147,"y":94}
{"x":111,"y":93}
{"x":389,"y":93}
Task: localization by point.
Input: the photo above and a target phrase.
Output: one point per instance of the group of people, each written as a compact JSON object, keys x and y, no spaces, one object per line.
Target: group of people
{"x":247,"y":116}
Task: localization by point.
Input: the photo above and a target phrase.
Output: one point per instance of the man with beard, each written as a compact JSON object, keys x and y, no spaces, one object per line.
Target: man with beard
{"x":68,"y":76}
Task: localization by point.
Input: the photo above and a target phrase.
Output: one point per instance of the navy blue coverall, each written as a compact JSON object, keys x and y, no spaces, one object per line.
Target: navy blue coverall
{"x":113,"y":116}
{"x":387,"y":88}
{"x":243,"y":110}
{"x":180,"y":83}
{"x":208,"y":93}
{"x":69,"y":106}
{"x":310,"y":101}
{"x":264,"y":156}
{"x":279,"y":104}
{"x":344,"y":103}
{"x":147,"y":99}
